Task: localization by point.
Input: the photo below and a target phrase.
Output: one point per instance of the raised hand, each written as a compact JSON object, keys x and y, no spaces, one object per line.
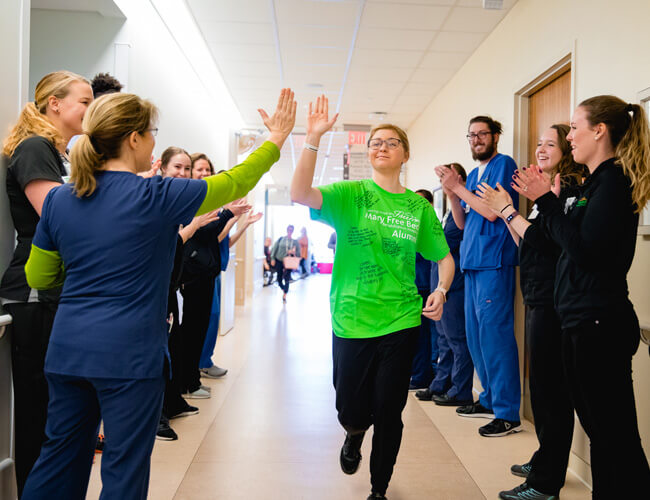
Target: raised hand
{"x":318,"y":121}
{"x":254,"y":218}
{"x":497,"y":199}
{"x":152,"y":171}
{"x":449,"y":178}
{"x":281,"y":123}
{"x":239,"y":207}
{"x":205,"y":219}
{"x":531,"y":182}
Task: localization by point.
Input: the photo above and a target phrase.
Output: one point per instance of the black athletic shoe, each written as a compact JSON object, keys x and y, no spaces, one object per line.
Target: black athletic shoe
{"x":377,"y":496}
{"x":475,"y":410}
{"x":499,"y":427}
{"x":521,"y":470}
{"x":351,"y":453}
{"x":426,"y":394}
{"x":525,"y":492}
{"x":185,"y":412}
{"x":165,"y":433}
{"x":444,"y":400}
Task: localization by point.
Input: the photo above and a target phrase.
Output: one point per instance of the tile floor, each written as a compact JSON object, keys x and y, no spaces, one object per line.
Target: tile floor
{"x":270,"y":430}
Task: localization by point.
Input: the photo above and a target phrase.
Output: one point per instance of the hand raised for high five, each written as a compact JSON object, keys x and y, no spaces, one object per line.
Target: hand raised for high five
{"x":281,"y":123}
{"x":318,"y":121}
{"x":497,"y":199}
{"x":532,"y":182}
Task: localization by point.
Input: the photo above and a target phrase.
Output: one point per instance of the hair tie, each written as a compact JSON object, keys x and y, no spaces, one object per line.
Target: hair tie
{"x":629,"y":108}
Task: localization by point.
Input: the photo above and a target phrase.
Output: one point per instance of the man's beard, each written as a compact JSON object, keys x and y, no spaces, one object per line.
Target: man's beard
{"x":486,"y":155}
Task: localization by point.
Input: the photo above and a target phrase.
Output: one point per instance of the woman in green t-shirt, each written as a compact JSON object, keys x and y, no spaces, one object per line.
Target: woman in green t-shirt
{"x":375,"y":304}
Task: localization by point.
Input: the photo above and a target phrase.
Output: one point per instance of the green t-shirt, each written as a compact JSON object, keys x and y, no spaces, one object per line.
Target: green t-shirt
{"x":378,"y":233}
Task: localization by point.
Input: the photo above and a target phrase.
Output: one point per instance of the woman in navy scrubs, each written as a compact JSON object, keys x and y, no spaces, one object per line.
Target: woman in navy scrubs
{"x":109,"y":237}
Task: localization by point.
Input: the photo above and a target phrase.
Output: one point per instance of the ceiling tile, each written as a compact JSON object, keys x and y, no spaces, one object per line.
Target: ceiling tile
{"x":293,"y":54}
{"x":249,"y":82}
{"x":363,"y":74}
{"x":417,"y":2}
{"x":242,"y":52}
{"x":448,"y":41}
{"x":404,"y":16}
{"x":245,"y":11}
{"x":444,"y":60}
{"x":412,"y":100}
{"x":254,"y":69}
{"x":430,"y":75}
{"x":318,"y":73}
{"x":303,"y":35}
{"x":420,"y":89}
{"x":386,"y":58}
{"x":341,"y":13}
{"x":239,"y":33}
{"x":473,"y":20}
{"x":507,"y":4}
{"x":382,"y":38}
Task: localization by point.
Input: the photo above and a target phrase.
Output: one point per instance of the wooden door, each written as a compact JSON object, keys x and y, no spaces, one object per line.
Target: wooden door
{"x":547,"y":106}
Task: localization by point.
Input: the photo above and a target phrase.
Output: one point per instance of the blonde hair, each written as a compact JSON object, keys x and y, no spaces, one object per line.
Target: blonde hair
{"x":108,"y":121}
{"x":400,"y":133}
{"x":33,"y":119}
{"x":630,"y":138}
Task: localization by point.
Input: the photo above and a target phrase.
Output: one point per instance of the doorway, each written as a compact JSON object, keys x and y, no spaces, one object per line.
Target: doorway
{"x":545,"y":101}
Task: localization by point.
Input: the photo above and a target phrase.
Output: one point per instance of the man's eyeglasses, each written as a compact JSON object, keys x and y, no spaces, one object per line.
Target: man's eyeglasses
{"x":390,"y":143}
{"x":480,"y":135}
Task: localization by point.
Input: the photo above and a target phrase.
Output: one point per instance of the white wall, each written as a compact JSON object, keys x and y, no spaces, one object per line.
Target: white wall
{"x":610,"y":43}
{"x":84,"y":42}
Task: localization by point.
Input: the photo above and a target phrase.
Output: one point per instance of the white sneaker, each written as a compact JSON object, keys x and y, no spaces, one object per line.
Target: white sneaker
{"x":198,"y":394}
{"x":213,"y":372}
{"x":206,"y":388}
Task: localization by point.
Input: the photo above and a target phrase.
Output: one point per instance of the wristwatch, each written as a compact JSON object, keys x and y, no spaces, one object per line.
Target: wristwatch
{"x":443,"y":291}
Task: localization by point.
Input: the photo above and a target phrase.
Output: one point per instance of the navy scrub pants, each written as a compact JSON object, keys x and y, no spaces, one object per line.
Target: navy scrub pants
{"x":455,"y":367}
{"x":371,"y":378}
{"x":130,"y":409}
{"x":489,"y":323}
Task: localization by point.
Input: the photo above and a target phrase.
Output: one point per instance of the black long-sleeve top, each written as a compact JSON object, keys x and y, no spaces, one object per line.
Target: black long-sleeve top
{"x":201,"y":256}
{"x":538,"y":256}
{"x":597,"y":235}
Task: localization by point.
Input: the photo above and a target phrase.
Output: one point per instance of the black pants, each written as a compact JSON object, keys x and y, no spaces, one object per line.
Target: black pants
{"x":284,"y":275}
{"x":197,"y":303}
{"x":550,"y":400}
{"x":371,"y":378}
{"x":598,"y":359}
{"x":173,"y":401}
{"x":30,"y":334}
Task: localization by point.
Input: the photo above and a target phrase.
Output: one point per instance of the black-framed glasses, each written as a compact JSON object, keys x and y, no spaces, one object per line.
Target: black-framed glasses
{"x":154,"y":131}
{"x":390,"y":143}
{"x":480,"y":135}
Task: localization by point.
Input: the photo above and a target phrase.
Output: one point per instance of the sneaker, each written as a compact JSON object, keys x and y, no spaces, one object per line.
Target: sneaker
{"x":376,"y":496}
{"x":445,"y":400}
{"x":500,"y":427}
{"x":198,"y":394}
{"x":185,"y":412}
{"x":475,"y":410}
{"x":213,"y":372}
{"x":525,"y":492}
{"x":206,"y":388}
{"x":99,"y":447}
{"x":426,"y":394}
{"x":521,"y":470}
{"x":351,"y":453}
{"x":165,"y":433}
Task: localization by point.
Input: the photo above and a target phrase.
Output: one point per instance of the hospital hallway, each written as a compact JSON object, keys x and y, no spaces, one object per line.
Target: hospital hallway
{"x":270,"y":429}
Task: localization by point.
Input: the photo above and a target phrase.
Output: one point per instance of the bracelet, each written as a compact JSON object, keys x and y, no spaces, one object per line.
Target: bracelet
{"x":443,"y":291}
{"x":508,"y":205}
{"x":311,"y":147}
{"x":511,"y":216}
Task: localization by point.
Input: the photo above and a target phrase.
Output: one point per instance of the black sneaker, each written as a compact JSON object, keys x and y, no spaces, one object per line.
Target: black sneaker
{"x":499,"y":427}
{"x":475,"y":410}
{"x":525,"y":492}
{"x":445,"y":400}
{"x":426,"y":394}
{"x":521,"y":470}
{"x":351,"y":453}
{"x":165,"y":433}
{"x":185,"y":412}
{"x":376,"y":496}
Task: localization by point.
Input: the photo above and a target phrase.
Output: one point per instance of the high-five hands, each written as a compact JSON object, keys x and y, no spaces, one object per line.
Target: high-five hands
{"x":449,"y":178}
{"x":318,"y":121}
{"x":532,"y":182}
{"x":497,"y":199}
{"x":281,"y":123}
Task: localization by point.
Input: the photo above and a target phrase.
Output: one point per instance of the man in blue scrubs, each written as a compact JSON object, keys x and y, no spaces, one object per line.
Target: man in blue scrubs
{"x":488,"y":257}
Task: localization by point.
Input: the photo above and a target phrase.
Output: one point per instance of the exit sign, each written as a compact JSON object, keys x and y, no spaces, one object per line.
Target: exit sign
{"x":357,"y":137}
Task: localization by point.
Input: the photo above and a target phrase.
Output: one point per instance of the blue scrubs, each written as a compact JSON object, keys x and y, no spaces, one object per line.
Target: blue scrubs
{"x":455,"y":369}
{"x":422,"y":371}
{"x":108,"y":345}
{"x":488,"y":257}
